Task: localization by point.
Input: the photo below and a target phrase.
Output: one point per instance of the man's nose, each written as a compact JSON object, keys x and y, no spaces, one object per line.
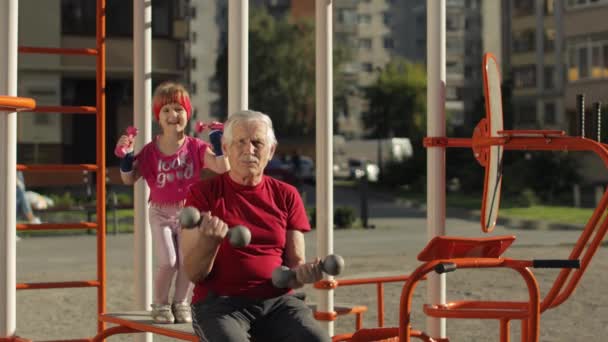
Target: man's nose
{"x":251,"y":148}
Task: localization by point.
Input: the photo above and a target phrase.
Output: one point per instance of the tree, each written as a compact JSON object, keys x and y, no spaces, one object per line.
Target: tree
{"x":281,"y":71}
{"x":397,"y":101}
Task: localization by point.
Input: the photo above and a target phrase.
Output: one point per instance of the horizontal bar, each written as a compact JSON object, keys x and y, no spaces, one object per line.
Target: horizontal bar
{"x":57,"y":167}
{"x":74,"y":340}
{"x":363,"y":281}
{"x":12,"y":103}
{"x":58,"y":51}
{"x":56,"y":226}
{"x":58,"y":285}
{"x":65,"y":109}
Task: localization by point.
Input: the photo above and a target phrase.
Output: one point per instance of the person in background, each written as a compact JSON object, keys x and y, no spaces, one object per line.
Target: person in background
{"x":23,"y":205}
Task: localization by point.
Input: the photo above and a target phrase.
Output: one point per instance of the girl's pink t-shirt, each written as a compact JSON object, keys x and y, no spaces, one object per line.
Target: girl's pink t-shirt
{"x":169,"y":177}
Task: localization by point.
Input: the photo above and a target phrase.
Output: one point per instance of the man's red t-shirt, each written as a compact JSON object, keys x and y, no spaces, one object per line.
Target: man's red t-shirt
{"x":268,"y":209}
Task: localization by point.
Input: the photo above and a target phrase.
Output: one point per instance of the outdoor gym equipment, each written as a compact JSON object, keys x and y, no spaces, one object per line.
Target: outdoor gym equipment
{"x":333,"y":265}
{"x":445,"y":254}
{"x":239,"y":236}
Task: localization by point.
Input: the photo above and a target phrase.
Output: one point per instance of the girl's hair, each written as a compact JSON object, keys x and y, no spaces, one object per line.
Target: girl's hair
{"x":246,"y":116}
{"x":171,"y":92}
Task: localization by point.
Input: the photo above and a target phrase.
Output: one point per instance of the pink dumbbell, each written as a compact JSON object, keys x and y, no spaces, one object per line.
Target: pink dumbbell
{"x":121,"y":151}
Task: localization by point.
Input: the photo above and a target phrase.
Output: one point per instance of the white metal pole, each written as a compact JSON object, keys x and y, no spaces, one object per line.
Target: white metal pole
{"x":324,"y":142}
{"x":436,"y":155}
{"x":142,"y":119}
{"x":8,"y":156}
{"x":238,"y":58}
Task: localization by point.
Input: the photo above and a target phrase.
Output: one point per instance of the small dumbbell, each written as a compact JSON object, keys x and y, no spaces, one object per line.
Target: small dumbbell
{"x":121,"y":151}
{"x":333,"y":265}
{"x":239,"y":236}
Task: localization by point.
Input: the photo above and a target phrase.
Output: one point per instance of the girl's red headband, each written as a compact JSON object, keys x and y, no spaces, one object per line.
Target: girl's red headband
{"x":182,"y":100}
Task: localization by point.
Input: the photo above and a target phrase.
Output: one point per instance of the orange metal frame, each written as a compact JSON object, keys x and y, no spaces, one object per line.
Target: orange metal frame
{"x":100,"y":167}
{"x":469,"y":253}
{"x":528,"y":312}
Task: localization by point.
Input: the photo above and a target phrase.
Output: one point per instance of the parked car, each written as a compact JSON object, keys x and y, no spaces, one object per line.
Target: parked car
{"x":282,"y":171}
{"x":358,"y":168}
{"x":307,"y":170}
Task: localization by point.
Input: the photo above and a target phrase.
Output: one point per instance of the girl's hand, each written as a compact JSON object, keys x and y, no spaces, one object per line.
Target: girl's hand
{"x":124,"y":146}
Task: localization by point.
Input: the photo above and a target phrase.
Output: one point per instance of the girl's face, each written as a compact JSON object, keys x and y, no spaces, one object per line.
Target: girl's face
{"x":173,"y":118}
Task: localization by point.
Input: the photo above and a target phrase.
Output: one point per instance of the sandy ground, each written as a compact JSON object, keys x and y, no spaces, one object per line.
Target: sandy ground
{"x":388,"y":250}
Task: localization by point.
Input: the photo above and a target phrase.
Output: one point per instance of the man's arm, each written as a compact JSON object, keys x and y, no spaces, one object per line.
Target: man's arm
{"x":295,"y":258}
{"x":295,"y":249}
{"x":200,"y":245}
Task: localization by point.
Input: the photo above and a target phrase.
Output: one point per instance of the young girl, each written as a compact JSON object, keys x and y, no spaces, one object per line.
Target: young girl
{"x":170,"y":164}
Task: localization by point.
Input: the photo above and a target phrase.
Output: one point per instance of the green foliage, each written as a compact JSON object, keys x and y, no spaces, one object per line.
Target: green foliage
{"x":526,"y":198}
{"x":281,"y":71}
{"x":64,"y":201}
{"x":547,"y":174}
{"x":344,"y":217}
{"x":397,"y":101}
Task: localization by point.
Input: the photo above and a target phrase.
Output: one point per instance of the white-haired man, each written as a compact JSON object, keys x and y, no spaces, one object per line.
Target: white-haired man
{"x":234,"y":298}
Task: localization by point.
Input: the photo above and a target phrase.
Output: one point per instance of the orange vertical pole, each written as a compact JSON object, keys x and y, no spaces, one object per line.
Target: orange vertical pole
{"x":380,"y":298}
{"x":101,"y":158}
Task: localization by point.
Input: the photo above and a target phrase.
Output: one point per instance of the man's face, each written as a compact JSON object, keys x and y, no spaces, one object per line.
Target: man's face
{"x":250,"y":150}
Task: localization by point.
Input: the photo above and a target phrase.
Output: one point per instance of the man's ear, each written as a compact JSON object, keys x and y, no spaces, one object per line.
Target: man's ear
{"x":272,"y":150}
{"x":224,"y":148}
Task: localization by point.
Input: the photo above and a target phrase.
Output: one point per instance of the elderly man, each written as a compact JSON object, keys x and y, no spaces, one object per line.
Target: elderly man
{"x":234,"y":298}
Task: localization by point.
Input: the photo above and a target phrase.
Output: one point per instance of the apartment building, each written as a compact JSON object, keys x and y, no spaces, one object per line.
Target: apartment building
{"x":70,"y":80}
{"x":586,"y":61}
{"x":536,"y":64}
{"x":378,"y":30}
{"x":208,"y":31}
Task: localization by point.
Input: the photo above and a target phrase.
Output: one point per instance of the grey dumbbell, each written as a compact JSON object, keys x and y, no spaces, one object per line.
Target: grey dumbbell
{"x":333,"y":265}
{"x":239,"y":236}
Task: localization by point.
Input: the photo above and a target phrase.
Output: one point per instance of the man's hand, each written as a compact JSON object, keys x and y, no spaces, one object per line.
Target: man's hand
{"x":307,"y":273}
{"x":200,"y":244}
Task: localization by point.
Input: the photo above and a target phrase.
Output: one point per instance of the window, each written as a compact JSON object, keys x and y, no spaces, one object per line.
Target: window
{"x":453,"y":93}
{"x":549,"y":77}
{"x":364,"y":18}
{"x":365,"y":43}
{"x":550,"y":113}
{"x":389,"y":43}
{"x":523,"y":8}
{"x":78,"y":17}
{"x":526,"y":112}
{"x":347,"y":16}
{"x":549,"y":39}
{"x":386,"y":18}
{"x":472,"y":4}
{"x":454,"y":67}
{"x":453,"y":23}
{"x":583,"y":62}
{"x":524,"y":76}
{"x":454,"y":46}
{"x":585,"y":3}
{"x":367,"y":67}
{"x":549,"y":7}
{"x":523,"y":41}
{"x":587,"y":59}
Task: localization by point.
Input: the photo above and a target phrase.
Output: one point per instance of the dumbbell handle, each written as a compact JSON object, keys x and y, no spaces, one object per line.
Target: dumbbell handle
{"x":332,"y":265}
{"x":239,"y":236}
{"x":121,"y":151}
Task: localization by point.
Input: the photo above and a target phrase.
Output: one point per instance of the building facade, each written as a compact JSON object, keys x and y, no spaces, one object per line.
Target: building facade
{"x":536,"y":64}
{"x":70,"y":80}
{"x":586,"y":64}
